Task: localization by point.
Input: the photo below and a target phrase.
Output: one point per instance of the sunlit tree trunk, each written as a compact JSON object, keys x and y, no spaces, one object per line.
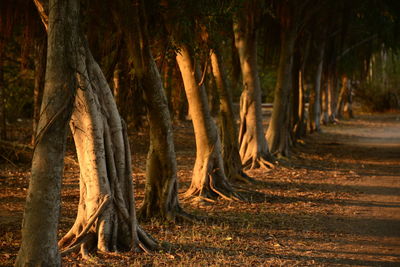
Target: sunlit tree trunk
{"x":106,"y":217}
{"x":106,"y":207}
{"x":209,"y":179}
{"x":342,"y":98}
{"x":39,"y":229}
{"x":228,"y":130}
{"x":253,"y":146}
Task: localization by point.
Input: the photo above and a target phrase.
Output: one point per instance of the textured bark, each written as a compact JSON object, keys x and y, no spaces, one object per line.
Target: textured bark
{"x":253,"y":146}
{"x":3,"y":124}
{"x":315,"y":105}
{"x":228,"y":130}
{"x":209,"y":179}
{"x":342,"y":98}
{"x":278,"y":131}
{"x":39,"y":228}
{"x":161,"y":191}
{"x":40,"y":70}
{"x":106,"y":217}
{"x":105,"y":163}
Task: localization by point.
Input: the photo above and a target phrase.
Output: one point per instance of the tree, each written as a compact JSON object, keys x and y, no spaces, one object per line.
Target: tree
{"x":253,"y":147}
{"x":161,"y":191}
{"x":106,"y":217}
{"x":229,"y":140}
{"x":209,"y":179}
{"x":39,"y":230}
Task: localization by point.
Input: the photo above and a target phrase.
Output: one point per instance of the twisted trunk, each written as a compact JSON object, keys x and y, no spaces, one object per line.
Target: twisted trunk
{"x":209,"y":179}
{"x":41,"y":216}
{"x":253,"y":146}
{"x":161,"y":191}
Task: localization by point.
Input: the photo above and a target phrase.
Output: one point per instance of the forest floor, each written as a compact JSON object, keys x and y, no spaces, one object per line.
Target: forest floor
{"x":335,"y":203}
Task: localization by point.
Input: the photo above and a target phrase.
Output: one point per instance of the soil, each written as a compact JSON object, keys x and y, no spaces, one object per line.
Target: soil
{"x":335,"y":202}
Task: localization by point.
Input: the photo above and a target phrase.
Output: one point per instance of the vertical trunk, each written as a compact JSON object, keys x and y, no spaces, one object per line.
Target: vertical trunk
{"x":161,"y":191}
{"x":315,"y":106}
{"x":106,"y":209}
{"x":40,"y":70}
{"x":228,"y":130}
{"x":106,"y":217}
{"x":330,"y":96}
{"x":209,"y":180}
{"x":296,"y":102}
{"x":253,"y":146}
{"x":3,"y":125}
{"x":39,"y":229}
{"x":278,"y":131}
{"x":342,"y":97}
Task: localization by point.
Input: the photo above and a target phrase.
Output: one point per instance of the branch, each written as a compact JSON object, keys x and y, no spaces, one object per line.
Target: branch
{"x":356,"y":45}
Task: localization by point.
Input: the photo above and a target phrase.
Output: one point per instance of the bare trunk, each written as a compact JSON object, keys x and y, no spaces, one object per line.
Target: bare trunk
{"x":253,"y":146}
{"x":106,"y":217}
{"x":315,"y":106}
{"x":278,"y":131}
{"x":3,"y":124}
{"x":342,"y":97}
{"x":40,"y":70}
{"x":39,"y":228}
{"x":209,"y":180}
{"x":106,"y":207}
{"x":228,"y":131}
{"x":161,"y":191}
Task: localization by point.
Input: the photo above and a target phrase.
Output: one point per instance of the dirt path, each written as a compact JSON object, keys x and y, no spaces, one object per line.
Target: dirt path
{"x":337,"y":203}
{"x":362,"y":156}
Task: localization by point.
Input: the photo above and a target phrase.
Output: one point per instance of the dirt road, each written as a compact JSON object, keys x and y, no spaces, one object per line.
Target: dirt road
{"x":335,"y":203}
{"x":360,"y":156}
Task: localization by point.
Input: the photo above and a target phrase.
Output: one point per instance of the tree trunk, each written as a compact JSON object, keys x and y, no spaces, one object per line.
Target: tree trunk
{"x":228,"y":130}
{"x":315,"y":108}
{"x":3,"y":124}
{"x":106,"y":216}
{"x":342,"y":97}
{"x":39,"y":228}
{"x":40,"y":70}
{"x":209,"y":180}
{"x":278,"y":131}
{"x":161,"y":191}
{"x":106,"y":207}
{"x":253,"y":146}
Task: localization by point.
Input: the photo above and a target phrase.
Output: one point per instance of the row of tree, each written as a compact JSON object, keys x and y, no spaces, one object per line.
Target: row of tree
{"x":101,"y":58}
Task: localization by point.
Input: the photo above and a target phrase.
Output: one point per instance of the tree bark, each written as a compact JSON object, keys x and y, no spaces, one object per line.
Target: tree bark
{"x":278,"y":131}
{"x":209,"y":179}
{"x":253,"y":147}
{"x":106,"y":217}
{"x":227,"y":121}
{"x":315,"y":106}
{"x":39,"y":228}
{"x":161,"y":191}
{"x":40,"y":70}
{"x":342,"y":98}
{"x":3,"y":124}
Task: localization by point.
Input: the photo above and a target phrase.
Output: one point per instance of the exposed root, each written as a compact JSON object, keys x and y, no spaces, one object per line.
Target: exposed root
{"x":231,"y":195}
{"x":258,"y":162}
{"x":80,"y":238}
